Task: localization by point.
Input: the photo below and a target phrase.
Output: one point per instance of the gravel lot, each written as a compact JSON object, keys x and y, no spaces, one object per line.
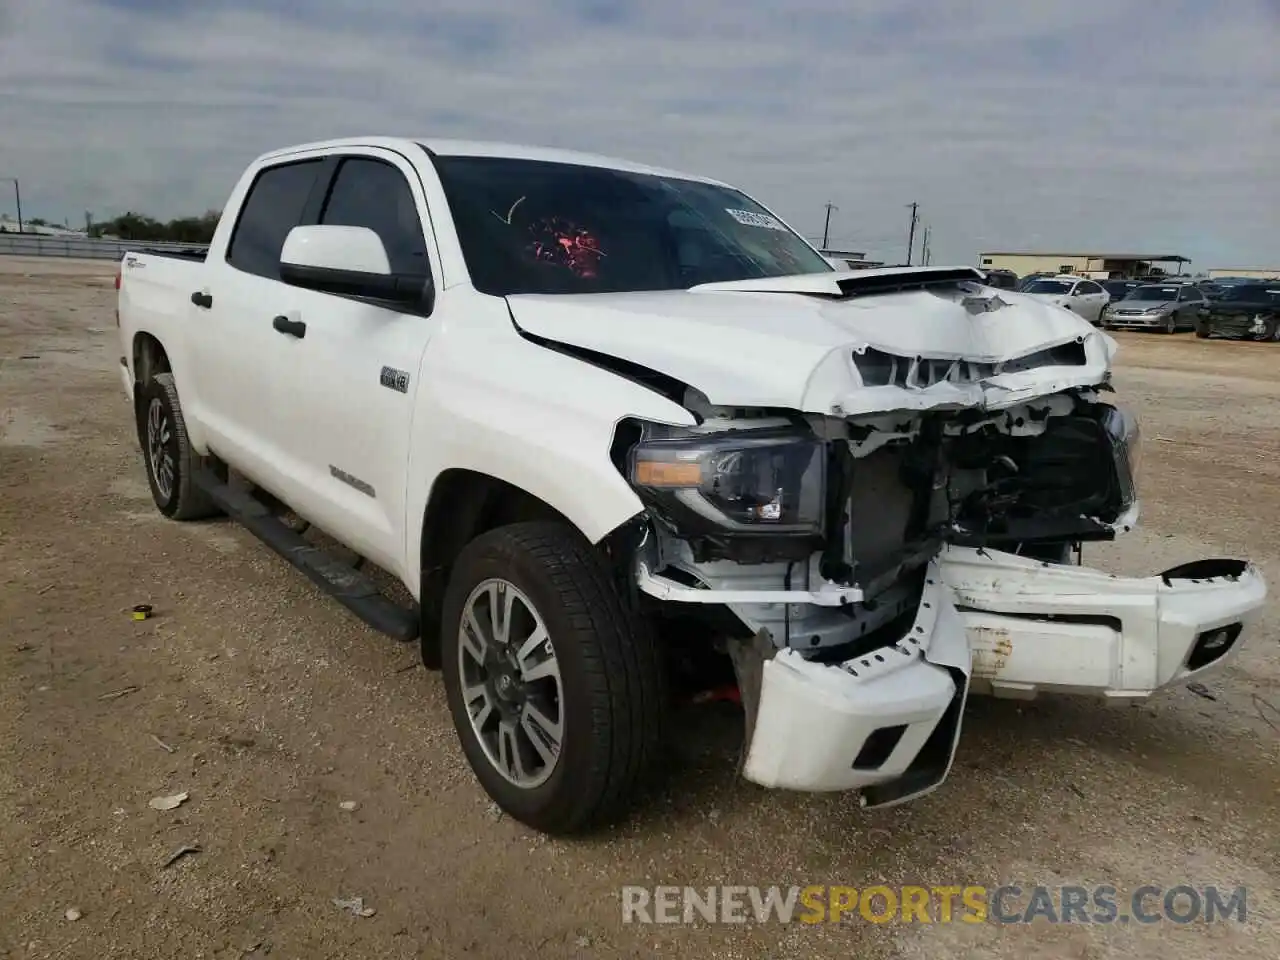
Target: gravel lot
{"x":276,"y":706}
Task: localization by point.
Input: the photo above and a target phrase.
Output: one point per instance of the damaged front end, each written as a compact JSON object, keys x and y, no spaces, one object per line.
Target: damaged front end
{"x":883,"y":565}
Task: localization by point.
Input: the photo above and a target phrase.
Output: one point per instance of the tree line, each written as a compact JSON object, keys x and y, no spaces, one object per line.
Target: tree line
{"x":140,"y":227}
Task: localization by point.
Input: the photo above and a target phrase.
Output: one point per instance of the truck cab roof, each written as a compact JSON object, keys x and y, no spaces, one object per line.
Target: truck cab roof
{"x":484,"y":148}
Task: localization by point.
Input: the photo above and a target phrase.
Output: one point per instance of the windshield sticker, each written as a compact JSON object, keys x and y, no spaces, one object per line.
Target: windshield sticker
{"x":756,"y":219}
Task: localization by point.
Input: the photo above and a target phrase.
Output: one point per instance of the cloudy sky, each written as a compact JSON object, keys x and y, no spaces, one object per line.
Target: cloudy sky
{"x":1095,"y":124}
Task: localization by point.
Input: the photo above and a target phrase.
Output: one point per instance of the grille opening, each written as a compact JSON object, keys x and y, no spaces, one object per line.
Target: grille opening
{"x":878,"y":746}
{"x":877,"y":368}
{"x":1213,"y":645}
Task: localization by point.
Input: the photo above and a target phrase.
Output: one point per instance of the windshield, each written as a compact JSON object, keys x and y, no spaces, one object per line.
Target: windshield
{"x":1158,"y":294}
{"x":1048,"y":286}
{"x":1253,"y":292}
{"x":1118,"y":288}
{"x":532,"y":226}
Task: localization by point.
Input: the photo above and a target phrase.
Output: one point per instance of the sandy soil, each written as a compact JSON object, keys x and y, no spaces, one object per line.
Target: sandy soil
{"x":277,"y":706}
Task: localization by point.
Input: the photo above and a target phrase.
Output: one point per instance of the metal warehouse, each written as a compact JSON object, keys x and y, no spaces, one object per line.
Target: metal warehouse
{"x":1097,"y":266}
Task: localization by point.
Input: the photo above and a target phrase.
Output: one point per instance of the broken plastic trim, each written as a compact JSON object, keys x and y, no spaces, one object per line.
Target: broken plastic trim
{"x":879,"y":368}
{"x":1207,"y":569}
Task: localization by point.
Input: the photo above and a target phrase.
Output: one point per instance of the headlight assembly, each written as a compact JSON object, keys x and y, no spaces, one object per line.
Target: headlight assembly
{"x":1126,"y":444}
{"x":742,"y":482}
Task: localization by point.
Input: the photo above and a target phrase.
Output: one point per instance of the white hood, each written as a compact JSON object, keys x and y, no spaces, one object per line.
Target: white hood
{"x":789,"y":342}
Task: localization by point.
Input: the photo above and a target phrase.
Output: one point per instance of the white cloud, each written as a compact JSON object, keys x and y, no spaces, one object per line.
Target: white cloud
{"x":1099,"y":124}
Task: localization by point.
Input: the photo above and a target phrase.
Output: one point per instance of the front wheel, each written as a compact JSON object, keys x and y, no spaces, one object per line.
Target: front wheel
{"x":554,"y":689}
{"x":1171,"y":324}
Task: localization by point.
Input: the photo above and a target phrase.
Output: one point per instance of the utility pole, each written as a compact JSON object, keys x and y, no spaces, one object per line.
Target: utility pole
{"x":826,"y":227}
{"x":17,"y":199}
{"x":925,"y":253}
{"x":911,"y":235}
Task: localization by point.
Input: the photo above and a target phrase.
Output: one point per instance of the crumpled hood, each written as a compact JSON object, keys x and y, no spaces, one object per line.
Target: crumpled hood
{"x":789,"y":342}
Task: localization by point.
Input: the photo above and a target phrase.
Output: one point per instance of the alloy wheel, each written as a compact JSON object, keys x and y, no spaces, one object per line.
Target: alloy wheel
{"x":160,"y":448}
{"x":511,"y":685}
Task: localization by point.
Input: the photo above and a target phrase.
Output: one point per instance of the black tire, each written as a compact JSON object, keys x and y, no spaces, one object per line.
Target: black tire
{"x":612,"y":686}
{"x":1170,"y":325}
{"x":177,"y":498}
{"x":1202,"y":330}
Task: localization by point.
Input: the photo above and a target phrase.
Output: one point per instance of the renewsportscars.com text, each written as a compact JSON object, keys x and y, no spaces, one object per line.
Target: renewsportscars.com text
{"x":969,"y":903}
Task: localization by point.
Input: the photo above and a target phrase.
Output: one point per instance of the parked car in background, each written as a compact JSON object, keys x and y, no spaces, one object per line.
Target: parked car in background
{"x":1031,"y":278}
{"x":1002,"y":279}
{"x":1085,"y":297}
{"x":1168,"y":307}
{"x":1119,"y":289}
{"x":1244,"y":311}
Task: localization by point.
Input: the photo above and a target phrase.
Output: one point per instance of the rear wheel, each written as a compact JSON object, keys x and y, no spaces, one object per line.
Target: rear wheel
{"x":166,"y":449}
{"x":555,"y":690}
{"x":1202,"y":330}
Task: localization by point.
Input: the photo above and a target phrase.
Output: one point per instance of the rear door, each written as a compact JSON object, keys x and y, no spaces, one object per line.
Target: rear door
{"x":241,"y":359}
{"x":1090,"y":298}
{"x":1190,"y":303}
{"x":352,"y":402}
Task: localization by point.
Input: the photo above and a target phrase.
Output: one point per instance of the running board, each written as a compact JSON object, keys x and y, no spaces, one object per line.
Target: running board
{"x":343,"y":582}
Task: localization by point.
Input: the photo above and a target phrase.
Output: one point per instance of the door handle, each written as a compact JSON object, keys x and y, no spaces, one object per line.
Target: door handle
{"x":202,"y":299}
{"x":294,"y":328}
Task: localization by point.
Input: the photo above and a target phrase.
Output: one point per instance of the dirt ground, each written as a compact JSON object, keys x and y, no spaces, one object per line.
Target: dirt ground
{"x":270,"y":706}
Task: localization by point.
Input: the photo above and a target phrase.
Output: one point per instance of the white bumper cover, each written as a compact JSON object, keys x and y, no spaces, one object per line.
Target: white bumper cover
{"x":1034,"y":626}
{"x":887,"y":723}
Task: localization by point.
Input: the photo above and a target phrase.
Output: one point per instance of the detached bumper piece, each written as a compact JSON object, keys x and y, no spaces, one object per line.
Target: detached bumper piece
{"x":1034,"y":626}
{"x":885,"y":723}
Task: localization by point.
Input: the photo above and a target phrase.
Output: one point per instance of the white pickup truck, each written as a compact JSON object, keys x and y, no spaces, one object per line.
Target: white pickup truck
{"x":615,"y":428}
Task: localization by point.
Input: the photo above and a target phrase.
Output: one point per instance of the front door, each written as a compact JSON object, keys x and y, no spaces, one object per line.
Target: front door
{"x":352,"y":404}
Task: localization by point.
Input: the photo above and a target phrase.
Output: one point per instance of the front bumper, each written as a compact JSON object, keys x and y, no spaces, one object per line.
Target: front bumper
{"x":1136,"y":321}
{"x":887,"y":723}
{"x":1034,"y":626}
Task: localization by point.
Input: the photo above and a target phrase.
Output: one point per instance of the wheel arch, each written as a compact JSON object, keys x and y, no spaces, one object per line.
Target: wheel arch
{"x":463,"y":504}
{"x":149,"y":357}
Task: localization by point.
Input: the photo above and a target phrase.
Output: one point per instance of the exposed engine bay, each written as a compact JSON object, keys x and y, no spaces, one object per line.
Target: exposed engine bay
{"x":818,"y":529}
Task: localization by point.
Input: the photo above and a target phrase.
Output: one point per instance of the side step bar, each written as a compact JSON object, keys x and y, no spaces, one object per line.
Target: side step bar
{"x":343,"y":582}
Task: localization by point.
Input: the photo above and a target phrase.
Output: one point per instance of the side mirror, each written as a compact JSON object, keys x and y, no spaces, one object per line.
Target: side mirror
{"x":346,"y":260}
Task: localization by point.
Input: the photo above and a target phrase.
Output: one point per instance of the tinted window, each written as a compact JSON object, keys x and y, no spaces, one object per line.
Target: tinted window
{"x":1088,"y":287}
{"x":1253,"y":292}
{"x":530,"y":226}
{"x":272,"y":208}
{"x":373,"y":194}
{"x":1048,"y":286}
{"x":1156,"y":294}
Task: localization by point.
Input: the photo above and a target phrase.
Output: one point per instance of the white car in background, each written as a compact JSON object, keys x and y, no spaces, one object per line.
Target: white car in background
{"x":1080,"y":296}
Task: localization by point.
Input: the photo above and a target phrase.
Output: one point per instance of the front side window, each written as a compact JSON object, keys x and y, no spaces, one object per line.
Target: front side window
{"x":272,"y":207}
{"x":371,"y":193}
{"x":530,"y":226}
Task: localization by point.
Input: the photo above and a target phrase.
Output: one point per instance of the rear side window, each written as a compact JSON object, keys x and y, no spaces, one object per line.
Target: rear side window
{"x":373,"y":194}
{"x":273,"y":207}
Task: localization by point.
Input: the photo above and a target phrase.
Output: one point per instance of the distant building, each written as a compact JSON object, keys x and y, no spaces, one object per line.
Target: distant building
{"x":1250,"y":273}
{"x":1096,"y":266}
{"x":855,"y":261}
{"x":10,"y":225}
